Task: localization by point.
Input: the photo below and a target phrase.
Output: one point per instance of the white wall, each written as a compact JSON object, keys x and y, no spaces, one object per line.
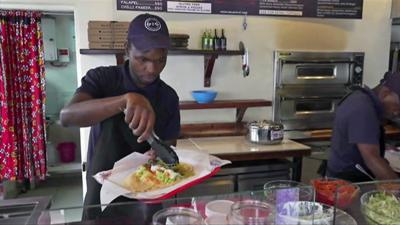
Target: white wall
{"x":61,"y":83}
{"x":264,"y":34}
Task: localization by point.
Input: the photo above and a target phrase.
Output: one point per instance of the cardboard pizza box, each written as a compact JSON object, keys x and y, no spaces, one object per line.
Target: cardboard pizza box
{"x":106,"y":45}
{"x":96,"y":31}
{"x":107,"y":38}
{"x":108,"y":24}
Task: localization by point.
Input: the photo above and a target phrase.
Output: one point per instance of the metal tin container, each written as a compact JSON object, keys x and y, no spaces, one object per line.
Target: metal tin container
{"x":265,"y":132}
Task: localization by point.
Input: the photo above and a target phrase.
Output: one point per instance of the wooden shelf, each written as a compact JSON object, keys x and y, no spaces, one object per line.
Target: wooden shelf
{"x":240,"y":105}
{"x":185,"y":105}
{"x":212,"y":130}
{"x":209,"y":57}
{"x":219,"y":129}
{"x":101,"y":51}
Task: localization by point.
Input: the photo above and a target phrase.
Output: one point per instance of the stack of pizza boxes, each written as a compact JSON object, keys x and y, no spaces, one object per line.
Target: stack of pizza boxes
{"x":107,"y":34}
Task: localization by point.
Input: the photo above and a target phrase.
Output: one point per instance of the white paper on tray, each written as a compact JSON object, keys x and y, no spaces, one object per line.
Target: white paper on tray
{"x":394,"y":159}
{"x":111,"y":180}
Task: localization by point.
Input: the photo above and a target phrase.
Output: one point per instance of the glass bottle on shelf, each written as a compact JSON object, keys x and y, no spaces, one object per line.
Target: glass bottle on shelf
{"x":223,"y":40}
{"x":209,"y":40}
{"x":216,"y":41}
{"x":204,"y":41}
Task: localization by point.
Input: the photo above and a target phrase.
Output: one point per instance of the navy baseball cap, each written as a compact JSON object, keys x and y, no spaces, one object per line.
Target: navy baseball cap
{"x":392,"y":81}
{"x":147,"y":31}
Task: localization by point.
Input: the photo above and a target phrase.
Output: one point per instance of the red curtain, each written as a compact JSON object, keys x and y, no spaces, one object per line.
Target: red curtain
{"x":22,"y":96}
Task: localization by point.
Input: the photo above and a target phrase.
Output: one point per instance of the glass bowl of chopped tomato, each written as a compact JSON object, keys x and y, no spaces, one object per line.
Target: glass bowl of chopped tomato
{"x":335,"y":192}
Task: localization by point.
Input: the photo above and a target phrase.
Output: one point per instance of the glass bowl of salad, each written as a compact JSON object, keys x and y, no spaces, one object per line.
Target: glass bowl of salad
{"x":381,"y":207}
{"x":335,"y":192}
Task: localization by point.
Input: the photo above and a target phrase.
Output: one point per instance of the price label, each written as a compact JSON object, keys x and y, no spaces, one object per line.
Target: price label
{"x":275,"y":135}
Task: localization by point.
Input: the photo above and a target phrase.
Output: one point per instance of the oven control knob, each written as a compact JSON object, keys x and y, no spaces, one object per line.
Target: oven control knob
{"x":358,"y":69}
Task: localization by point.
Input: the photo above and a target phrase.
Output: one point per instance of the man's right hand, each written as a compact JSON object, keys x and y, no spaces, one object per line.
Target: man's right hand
{"x":83,"y":110}
{"x":139,"y":115}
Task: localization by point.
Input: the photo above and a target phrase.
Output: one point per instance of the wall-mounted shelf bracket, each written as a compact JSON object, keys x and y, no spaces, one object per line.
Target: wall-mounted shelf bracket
{"x":240,"y":113}
{"x":209,"y":61}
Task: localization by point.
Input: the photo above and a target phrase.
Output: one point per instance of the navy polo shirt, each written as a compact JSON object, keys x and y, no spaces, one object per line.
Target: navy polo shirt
{"x":357,"y":121}
{"x":110,"y":81}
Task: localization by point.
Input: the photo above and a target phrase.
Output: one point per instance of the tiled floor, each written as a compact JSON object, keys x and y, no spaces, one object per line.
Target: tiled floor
{"x":66,"y":192}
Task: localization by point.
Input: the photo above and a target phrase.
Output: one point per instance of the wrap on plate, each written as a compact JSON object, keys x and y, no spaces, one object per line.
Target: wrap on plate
{"x":156,"y":175}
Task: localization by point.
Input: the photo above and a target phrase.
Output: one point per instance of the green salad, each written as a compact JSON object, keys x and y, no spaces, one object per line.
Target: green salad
{"x":383,"y":208}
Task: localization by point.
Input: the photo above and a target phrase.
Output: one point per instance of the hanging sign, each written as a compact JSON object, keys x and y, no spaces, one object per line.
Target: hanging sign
{"x":346,"y":9}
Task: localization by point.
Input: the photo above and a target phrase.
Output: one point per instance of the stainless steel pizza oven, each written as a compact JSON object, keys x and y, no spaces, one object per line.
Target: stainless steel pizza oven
{"x":308,"y":86}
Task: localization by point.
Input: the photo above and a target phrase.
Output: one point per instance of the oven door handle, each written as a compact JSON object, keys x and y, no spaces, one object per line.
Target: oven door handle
{"x":288,"y":61}
{"x":331,"y":111}
{"x":284,"y":98}
{"x":318,"y":112}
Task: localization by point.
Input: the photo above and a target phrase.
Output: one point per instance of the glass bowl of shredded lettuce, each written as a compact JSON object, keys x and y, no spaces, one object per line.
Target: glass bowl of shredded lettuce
{"x":381,"y":207}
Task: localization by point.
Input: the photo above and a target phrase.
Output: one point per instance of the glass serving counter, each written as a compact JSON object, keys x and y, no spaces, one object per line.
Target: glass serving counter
{"x":279,"y":203}
{"x":372,"y":203}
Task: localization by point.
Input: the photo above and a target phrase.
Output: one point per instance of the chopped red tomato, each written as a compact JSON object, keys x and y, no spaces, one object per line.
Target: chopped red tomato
{"x":326,"y":189}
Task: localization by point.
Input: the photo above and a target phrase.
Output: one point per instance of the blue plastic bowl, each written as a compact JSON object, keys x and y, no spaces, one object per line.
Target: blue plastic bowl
{"x":204,"y":96}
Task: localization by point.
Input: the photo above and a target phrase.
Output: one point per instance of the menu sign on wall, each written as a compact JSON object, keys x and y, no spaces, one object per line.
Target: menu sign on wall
{"x":141,"y":5}
{"x":194,"y":6}
{"x":350,"y":9}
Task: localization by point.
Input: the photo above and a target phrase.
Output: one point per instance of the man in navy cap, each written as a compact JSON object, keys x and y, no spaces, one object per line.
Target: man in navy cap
{"x":135,"y":88}
{"x":358,"y":134}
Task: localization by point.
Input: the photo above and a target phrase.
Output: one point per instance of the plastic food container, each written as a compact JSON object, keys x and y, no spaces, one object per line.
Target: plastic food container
{"x":216,"y":220}
{"x":218,"y":208}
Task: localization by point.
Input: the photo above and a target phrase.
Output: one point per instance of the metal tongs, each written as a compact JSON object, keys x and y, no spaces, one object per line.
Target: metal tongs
{"x":164,"y":151}
{"x":362,"y":170}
